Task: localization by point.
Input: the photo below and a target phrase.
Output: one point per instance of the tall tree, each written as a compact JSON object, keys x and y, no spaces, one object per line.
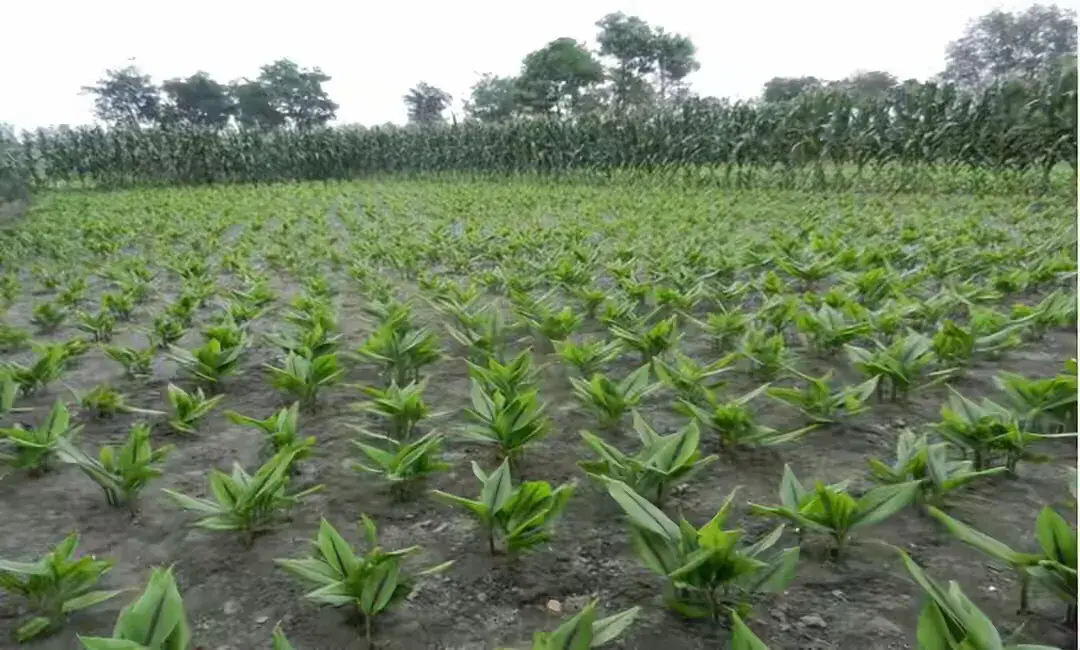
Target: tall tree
{"x":1002,"y":45}
{"x":553,"y":78}
{"x":675,"y":57}
{"x":198,"y":99}
{"x":630,"y":41}
{"x":782,"y":89}
{"x":492,"y":98}
{"x":426,"y":104}
{"x":125,"y":97}
{"x":284,"y":93}
{"x":868,"y":83}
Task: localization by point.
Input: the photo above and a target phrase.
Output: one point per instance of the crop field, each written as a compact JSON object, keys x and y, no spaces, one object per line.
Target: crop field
{"x":536,"y":381}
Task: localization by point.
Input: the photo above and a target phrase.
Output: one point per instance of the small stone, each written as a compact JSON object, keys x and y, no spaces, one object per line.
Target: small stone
{"x":554,"y":606}
{"x":813,"y":620}
{"x":481,"y":597}
{"x":991,"y":588}
{"x":839,"y":594}
{"x":231,"y":607}
{"x":259,"y":620}
{"x":441,"y":527}
{"x":881,"y":626}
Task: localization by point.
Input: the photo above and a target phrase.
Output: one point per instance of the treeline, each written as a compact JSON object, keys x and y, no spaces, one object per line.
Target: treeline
{"x":1026,"y":127}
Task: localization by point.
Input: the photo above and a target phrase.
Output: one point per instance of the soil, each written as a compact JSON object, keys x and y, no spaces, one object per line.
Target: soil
{"x":235,"y":595}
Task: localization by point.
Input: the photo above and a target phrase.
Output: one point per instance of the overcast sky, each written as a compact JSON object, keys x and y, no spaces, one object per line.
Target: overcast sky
{"x":376,"y":50}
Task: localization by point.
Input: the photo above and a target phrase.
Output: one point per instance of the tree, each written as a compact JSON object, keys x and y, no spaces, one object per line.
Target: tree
{"x":868,"y":83}
{"x":426,"y":104}
{"x":199,"y":100}
{"x":1002,"y":45}
{"x":492,"y":98}
{"x":675,"y":59}
{"x":125,"y":97}
{"x":630,"y":41}
{"x":553,"y":77}
{"x":284,"y":94}
{"x":782,"y":89}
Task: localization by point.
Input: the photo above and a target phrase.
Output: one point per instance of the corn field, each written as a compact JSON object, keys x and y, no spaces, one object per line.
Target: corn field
{"x":1021,"y":131}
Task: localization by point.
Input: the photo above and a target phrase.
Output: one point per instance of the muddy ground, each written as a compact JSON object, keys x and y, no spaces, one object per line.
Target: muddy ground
{"x":234,"y":596}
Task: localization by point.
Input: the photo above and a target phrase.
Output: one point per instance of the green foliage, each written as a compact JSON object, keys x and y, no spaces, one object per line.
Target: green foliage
{"x":374,"y":581}
{"x":402,"y":407}
{"x":156,"y":620}
{"x":610,"y":400}
{"x":823,"y":404}
{"x":950,"y":620}
{"x":1043,"y":405}
{"x":1054,"y":568}
{"x":509,"y":422}
{"x":55,"y":586}
{"x":187,"y":409}
{"x":584,"y":630}
{"x":662,"y":461}
{"x":403,"y":464}
{"x":830,"y":510}
{"x":137,"y":363}
{"x":902,"y":366}
{"x":589,"y":356}
{"x":34,"y":449}
{"x":516,"y":517}
{"x":302,"y":377}
{"x":211,"y":362}
{"x":648,"y":340}
{"x":48,"y":317}
{"x":828,"y":329}
{"x":281,"y":430}
{"x":99,"y":325}
{"x":691,"y":381}
{"x":708,"y":569}
{"x":121,"y":472}
{"x":244,"y":503}
{"x":734,"y":423}
{"x":401,"y":350}
{"x":929,"y":465}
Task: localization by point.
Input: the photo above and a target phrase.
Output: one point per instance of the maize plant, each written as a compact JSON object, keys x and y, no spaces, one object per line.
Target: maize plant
{"x":1043,"y":405}
{"x":48,"y":317}
{"x":831,"y":511}
{"x":187,"y":409}
{"x":120,"y":305}
{"x":121,"y":472}
{"x":725,"y":328}
{"x":137,"y":363}
{"x":821,"y":403}
{"x":402,"y":407}
{"x":166,"y":331}
{"x":55,"y":586}
{"x":514,"y":517}
{"x":768,"y":354}
{"x":662,"y":462}
{"x":401,"y":351}
{"x":9,"y":390}
{"x":1054,"y":568}
{"x":950,"y":620}
{"x":244,"y":503}
{"x":734,"y":423}
{"x":902,"y":366}
{"x":708,"y":570}
{"x":589,"y":356}
{"x":373,"y":581}
{"x":956,"y":346}
{"x":403,"y":464}
{"x":510,"y":423}
{"x":34,"y":449}
{"x":929,"y":465}
{"x":156,"y":620}
{"x":302,"y":377}
{"x":483,"y":334}
{"x":828,"y":330}
{"x":210,"y":363}
{"x":310,"y":342}
{"x":647,"y":340}
{"x":12,"y":338}
{"x":610,"y":400}
{"x":691,"y":381}
{"x":281,"y":429}
{"x":99,"y":326}
{"x":584,"y":630}
{"x":742,"y":637}
{"x":103,"y":402}
{"x":508,"y":378}
{"x":47,"y":367}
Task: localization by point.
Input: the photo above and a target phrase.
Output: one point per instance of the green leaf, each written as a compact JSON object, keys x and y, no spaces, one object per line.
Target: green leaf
{"x":379,"y":588}
{"x":792,"y":491}
{"x":742,"y":638}
{"x":96,"y":643}
{"x":32,"y":628}
{"x":576,"y":633}
{"x":497,"y":489}
{"x":884,"y":501}
{"x":89,"y":600}
{"x":335,"y":550}
{"x":608,"y":629}
{"x":641,"y":512}
{"x":982,"y":541}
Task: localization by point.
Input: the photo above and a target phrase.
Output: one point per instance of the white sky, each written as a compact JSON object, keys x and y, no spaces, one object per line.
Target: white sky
{"x":376,"y":50}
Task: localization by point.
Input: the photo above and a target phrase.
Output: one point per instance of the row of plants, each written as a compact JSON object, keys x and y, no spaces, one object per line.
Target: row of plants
{"x":820,"y":139}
